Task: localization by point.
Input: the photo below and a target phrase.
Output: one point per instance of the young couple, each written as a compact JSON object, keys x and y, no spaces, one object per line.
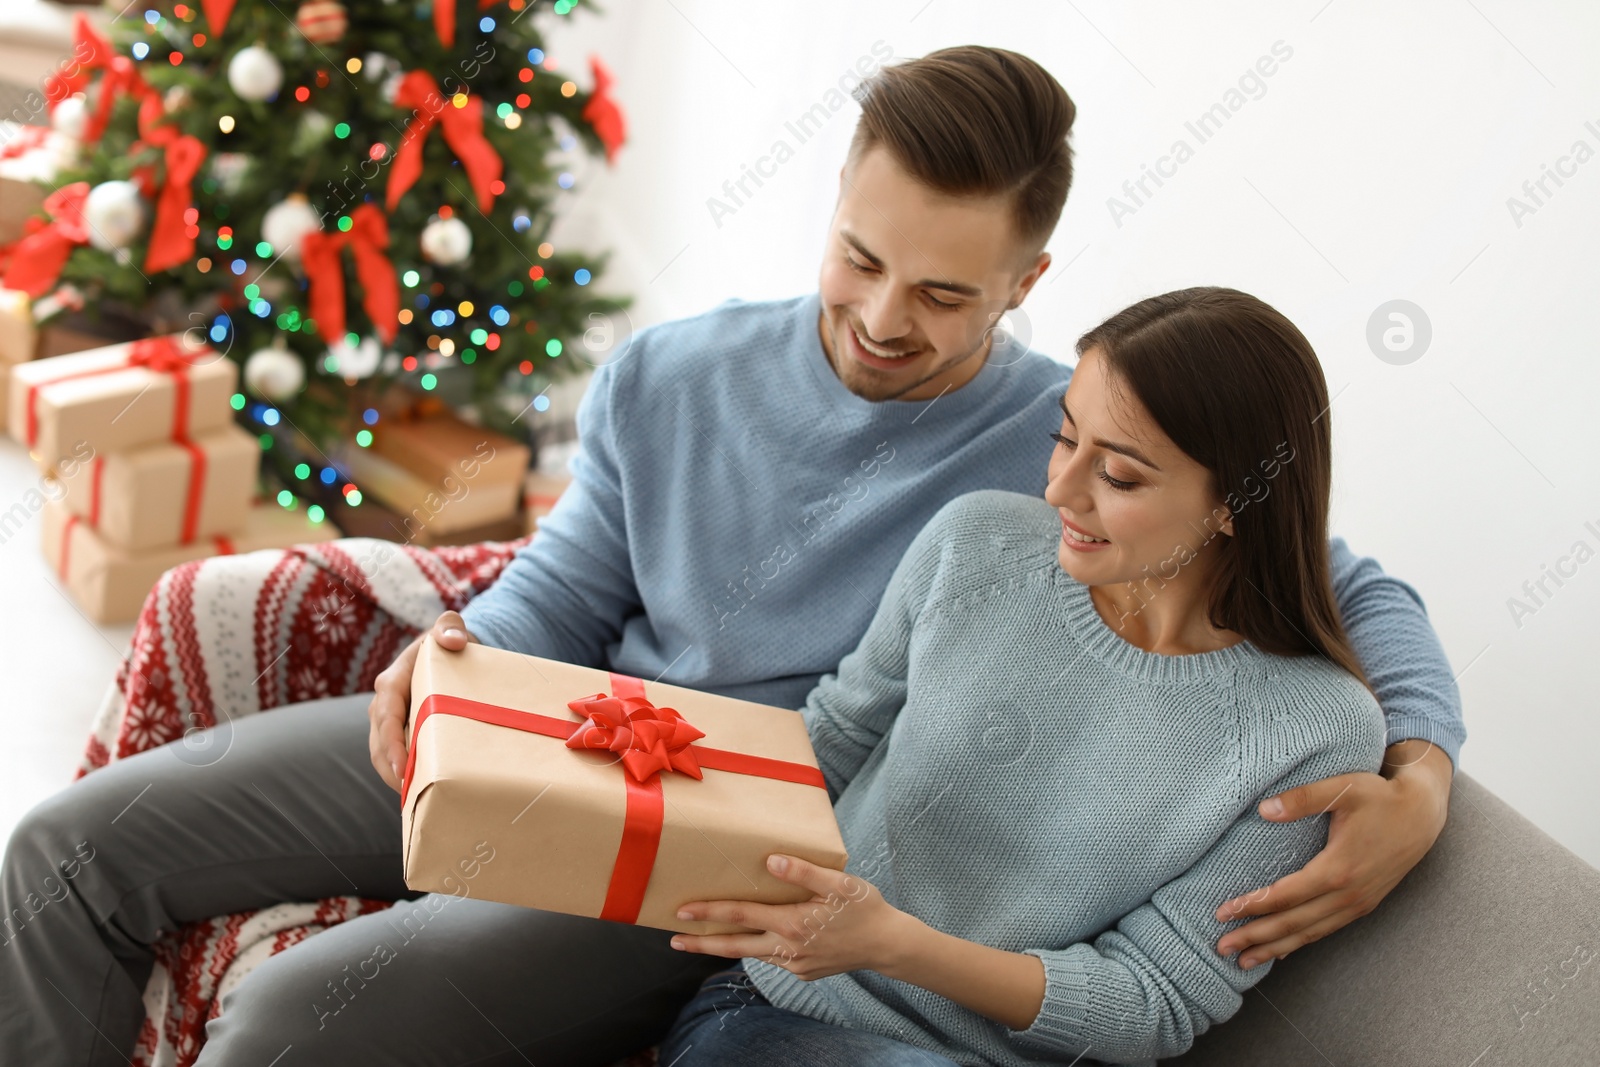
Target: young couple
{"x":1060,"y":638}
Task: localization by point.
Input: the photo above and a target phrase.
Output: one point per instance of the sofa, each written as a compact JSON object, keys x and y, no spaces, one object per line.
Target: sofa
{"x":1485,"y":956}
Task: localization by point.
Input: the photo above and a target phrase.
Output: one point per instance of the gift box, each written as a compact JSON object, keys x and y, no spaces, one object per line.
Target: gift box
{"x":28,"y":155}
{"x":441,"y":447}
{"x":18,"y":337}
{"x":169,"y":492}
{"x":113,"y":398}
{"x":110,"y":583}
{"x":427,"y":510}
{"x":539,"y":495}
{"x":601,"y":795}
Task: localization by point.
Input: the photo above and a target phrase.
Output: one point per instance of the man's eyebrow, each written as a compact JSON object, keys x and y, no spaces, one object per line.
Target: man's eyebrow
{"x":926,"y":283}
{"x":1110,"y":446}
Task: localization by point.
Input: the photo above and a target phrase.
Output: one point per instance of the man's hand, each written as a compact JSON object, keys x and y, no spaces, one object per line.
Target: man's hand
{"x":1382,"y":826}
{"x":391,"y":700}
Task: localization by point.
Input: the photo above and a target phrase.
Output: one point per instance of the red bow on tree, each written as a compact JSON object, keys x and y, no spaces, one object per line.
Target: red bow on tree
{"x":122,"y":77}
{"x":171,"y":244}
{"x":602,"y":112}
{"x":217,"y":12}
{"x":367,"y":238}
{"x":462,"y":128}
{"x":444,"y":19}
{"x":650,"y":739}
{"x":35,"y":261}
{"x":90,"y":51}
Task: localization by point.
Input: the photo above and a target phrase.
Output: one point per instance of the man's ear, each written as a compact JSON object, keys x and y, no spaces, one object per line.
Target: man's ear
{"x":1040,"y":265}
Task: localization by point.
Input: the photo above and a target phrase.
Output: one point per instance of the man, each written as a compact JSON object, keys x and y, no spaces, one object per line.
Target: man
{"x":748,"y":480}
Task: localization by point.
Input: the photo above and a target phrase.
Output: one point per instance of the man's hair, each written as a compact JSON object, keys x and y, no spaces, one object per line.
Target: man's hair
{"x":975,"y":121}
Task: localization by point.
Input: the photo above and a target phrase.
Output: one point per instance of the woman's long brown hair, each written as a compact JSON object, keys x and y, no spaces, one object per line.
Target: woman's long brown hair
{"x":1238,"y":388}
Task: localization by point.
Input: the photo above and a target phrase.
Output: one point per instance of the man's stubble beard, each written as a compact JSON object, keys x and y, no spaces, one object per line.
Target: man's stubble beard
{"x":864,"y":376}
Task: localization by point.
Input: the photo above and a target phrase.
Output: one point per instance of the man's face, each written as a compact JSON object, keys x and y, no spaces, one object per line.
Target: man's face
{"x":913,"y":282}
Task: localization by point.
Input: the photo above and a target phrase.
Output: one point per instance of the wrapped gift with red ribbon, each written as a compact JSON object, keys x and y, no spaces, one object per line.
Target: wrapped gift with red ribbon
{"x":602,"y":795}
{"x":167,"y":493}
{"x":112,"y":398}
{"x":110,"y":582}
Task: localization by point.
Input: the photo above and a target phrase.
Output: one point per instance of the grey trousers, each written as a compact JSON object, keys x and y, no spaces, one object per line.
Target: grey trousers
{"x":285,"y":806}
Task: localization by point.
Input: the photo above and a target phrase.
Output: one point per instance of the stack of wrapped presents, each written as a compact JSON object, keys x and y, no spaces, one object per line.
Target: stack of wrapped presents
{"x":146,"y":467}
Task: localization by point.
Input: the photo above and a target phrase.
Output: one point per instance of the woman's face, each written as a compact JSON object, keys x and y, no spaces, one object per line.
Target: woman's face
{"x":1133,"y":506}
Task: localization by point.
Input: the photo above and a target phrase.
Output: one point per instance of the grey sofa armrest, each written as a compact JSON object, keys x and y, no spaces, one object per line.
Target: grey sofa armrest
{"x":1486,"y":955}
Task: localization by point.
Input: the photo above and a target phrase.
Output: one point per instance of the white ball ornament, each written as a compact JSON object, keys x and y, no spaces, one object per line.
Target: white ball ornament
{"x":274,"y":374}
{"x":69,"y":117}
{"x":254,"y":73}
{"x":287,"y":222}
{"x":115,"y":215}
{"x":446,"y":241}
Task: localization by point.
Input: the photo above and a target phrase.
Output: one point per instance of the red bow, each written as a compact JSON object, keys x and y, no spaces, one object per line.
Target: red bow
{"x":170,"y":243}
{"x":121,"y":77}
{"x":367,"y":238}
{"x":217,"y":12}
{"x":90,"y":51}
{"x":462,"y":128}
{"x":35,"y":261}
{"x":651,"y":739}
{"x":602,"y":112}
{"x":444,"y":19}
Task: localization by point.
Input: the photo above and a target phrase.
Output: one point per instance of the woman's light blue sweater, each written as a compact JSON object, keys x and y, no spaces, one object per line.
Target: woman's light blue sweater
{"x":1011,"y":771}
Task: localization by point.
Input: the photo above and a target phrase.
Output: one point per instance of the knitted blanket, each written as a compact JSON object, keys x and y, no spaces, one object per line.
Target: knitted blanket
{"x":249,"y":633}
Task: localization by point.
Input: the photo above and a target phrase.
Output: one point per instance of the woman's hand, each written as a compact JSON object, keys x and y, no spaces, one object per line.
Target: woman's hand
{"x":845,"y":926}
{"x":1382,"y":826}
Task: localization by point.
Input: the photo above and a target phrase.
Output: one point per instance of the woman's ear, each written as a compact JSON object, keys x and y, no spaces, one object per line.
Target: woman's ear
{"x":1227,"y":521}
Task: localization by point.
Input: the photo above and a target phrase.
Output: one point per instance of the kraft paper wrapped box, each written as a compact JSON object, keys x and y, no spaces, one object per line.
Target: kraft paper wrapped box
{"x":448,"y":453}
{"x":113,"y":398}
{"x":167,"y":493}
{"x":110,"y":583}
{"x":490,"y":764}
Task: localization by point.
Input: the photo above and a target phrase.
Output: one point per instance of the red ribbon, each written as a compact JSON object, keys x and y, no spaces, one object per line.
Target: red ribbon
{"x":217,"y":12}
{"x":651,"y":739}
{"x":161,"y":354}
{"x":224,"y":545}
{"x":602,"y":112}
{"x":90,"y":51}
{"x":367,"y":238}
{"x":36,"y":260}
{"x":122,"y":77}
{"x":192,"y":496}
{"x":444,"y":19}
{"x":462,"y":128}
{"x":170,"y":242}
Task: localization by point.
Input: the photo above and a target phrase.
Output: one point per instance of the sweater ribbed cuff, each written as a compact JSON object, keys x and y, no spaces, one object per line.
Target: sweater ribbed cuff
{"x":1420,"y":727}
{"x":1066,"y":1019}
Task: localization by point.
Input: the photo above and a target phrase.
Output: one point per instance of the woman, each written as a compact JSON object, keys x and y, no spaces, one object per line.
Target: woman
{"x":1046,"y":753}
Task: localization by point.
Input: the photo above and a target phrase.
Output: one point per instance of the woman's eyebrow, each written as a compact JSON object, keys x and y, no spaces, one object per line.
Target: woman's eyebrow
{"x":1110,"y":446}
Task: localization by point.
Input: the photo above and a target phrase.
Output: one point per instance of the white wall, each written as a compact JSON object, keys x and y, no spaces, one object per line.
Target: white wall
{"x":1376,"y":165}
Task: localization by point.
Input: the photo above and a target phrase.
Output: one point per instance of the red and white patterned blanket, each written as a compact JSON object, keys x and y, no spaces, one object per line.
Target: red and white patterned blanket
{"x":253,"y":632}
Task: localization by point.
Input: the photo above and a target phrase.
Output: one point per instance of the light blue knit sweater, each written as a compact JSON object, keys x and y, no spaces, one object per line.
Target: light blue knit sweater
{"x":736,"y":513}
{"x":1011,"y":771}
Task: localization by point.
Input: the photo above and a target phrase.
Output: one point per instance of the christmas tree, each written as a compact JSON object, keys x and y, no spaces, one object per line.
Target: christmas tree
{"x":346,"y":202}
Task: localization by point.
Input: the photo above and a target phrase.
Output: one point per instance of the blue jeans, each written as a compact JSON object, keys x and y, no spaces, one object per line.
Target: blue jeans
{"x":729,"y":1021}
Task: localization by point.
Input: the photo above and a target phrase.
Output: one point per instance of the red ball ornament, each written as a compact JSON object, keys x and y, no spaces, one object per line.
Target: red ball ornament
{"x":322,"y":21}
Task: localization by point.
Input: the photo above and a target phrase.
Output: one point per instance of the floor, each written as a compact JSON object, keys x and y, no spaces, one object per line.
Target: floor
{"x":55,"y":662}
